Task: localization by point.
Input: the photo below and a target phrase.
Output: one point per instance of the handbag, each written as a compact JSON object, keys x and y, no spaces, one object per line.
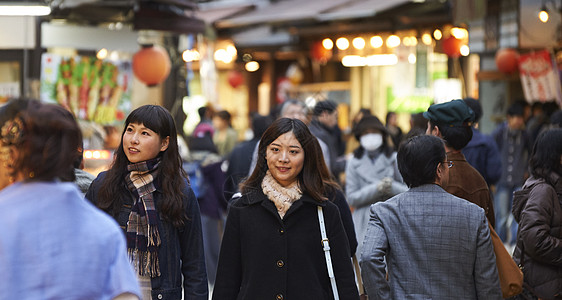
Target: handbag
{"x":511,"y":277}
{"x":362,"y":295}
{"x":326,"y":247}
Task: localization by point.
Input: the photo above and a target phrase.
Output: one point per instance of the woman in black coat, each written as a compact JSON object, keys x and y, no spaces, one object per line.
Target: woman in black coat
{"x":272,"y":248}
{"x":538,"y":210}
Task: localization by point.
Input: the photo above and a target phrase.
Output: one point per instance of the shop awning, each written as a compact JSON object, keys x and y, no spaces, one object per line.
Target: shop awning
{"x":283,"y":11}
{"x":360,"y":9}
{"x":212,"y":15}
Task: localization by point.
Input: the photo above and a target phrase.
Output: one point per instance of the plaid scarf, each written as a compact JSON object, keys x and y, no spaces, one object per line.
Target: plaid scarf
{"x":143,"y":238}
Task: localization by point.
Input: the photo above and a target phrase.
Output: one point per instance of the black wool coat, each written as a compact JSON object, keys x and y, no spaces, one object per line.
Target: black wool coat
{"x":265,"y":257}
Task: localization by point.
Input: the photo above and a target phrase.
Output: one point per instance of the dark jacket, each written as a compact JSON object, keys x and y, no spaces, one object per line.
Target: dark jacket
{"x":185,"y":244}
{"x":239,"y":162}
{"x":265,"y":257}
{"x":332,"y":138}
{"x":483,"y":154}
{"x":540,"y":235}
{"x":515,"y":148}
{"x":338,"y":198}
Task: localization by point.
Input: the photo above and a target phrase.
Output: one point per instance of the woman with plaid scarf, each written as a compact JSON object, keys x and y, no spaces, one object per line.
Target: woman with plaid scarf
{"x":147,"y":193}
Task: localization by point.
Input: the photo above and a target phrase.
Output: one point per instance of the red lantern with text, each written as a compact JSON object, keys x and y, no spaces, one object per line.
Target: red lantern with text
{"x":319,"y":53}
{"x":235,"y":78}
{"x":507,"y":60}
{"x":452,"y":46}
{"x":151,"y":64}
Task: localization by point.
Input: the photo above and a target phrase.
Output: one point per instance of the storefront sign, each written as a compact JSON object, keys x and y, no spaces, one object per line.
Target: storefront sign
{"x":92,"y":89}
{"x":539,"y":77}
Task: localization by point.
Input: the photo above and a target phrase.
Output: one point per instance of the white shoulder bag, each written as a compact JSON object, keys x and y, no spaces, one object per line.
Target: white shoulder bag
{"x":326,"y":246}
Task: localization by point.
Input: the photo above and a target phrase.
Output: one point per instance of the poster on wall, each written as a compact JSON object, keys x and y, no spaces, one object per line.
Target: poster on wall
{"x":92,"y":89}
{"x":539,"y":77}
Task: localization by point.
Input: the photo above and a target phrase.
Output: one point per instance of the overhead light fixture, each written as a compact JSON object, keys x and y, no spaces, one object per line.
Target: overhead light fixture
{"x":358,"y":43}
{"x":21,"y":9}
{"x":376,"y":41}
{"x":342,"y":43}
{"x":393,"y":41}
{"x":543,"y":14}
{"x":327,"y":44}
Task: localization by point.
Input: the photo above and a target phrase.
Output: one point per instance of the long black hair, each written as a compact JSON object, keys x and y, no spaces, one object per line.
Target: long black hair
{"x":314,"y":179}
{"x":546,"y":154}
{"x":170,"y":176}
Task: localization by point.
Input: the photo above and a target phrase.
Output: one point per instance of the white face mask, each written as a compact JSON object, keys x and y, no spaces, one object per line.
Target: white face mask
{"x":371,"y":141}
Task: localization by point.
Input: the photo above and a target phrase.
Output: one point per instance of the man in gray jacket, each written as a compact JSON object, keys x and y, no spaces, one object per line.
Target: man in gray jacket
{"x":431,"y":244}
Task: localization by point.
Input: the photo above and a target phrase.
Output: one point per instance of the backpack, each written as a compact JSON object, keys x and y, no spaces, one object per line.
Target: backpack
{"x":196,"y":179}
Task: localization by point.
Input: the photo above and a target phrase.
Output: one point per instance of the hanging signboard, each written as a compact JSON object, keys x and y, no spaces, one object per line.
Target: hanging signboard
{"x":539,"y":77}
{"x":92,"y":89}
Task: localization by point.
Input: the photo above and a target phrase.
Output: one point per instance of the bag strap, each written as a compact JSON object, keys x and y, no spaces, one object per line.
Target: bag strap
{"x":326,"y":246}
{"x":358,"y":275}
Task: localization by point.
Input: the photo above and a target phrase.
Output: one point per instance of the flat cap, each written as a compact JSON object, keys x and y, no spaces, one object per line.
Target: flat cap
{"x":452,"y":113}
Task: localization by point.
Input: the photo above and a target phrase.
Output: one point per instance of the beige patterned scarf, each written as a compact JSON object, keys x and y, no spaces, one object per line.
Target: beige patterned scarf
{"x":282,"y":197}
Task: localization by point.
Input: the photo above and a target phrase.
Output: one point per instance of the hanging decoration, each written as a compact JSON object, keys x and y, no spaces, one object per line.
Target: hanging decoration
{"x":294,"y":73}
{"x":507,"y":60}
{"x":151,"y":64}
{"x":319,"y":53}
{"x":235,"y":78}
{"x":452,"y":46}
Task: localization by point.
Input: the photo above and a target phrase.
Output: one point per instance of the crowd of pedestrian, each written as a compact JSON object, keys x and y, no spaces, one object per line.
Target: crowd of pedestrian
{"x":286,"y":213}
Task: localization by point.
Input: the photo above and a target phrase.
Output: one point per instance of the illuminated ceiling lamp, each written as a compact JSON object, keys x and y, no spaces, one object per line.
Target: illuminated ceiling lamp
{"x":342,"y":43}
{"x":543,"y":13}
{"x":376,"y":41}
{"x":393,"y":41}
{"x":19,"y":8}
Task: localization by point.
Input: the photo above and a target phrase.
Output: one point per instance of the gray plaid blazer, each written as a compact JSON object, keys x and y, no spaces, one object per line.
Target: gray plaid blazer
{"x":434,"y":246}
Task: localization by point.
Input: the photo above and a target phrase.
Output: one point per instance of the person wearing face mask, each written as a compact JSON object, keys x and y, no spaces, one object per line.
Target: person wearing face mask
{"x":371,"y":173}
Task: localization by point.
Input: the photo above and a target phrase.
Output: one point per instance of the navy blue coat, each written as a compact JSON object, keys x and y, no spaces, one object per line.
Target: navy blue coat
{"x":181,"y":251}
{"x":483,"y":154}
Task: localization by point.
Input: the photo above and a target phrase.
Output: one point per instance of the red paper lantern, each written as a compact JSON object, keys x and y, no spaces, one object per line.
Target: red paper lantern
{"x":151,"y":64}
{"x":319,"y":53}
{"x":507,"y":60}
{"x":235,"y":78}
{"x":452,"y":46}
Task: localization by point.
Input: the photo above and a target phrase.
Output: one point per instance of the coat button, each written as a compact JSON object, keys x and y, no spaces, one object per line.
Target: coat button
{"x":160,"y":296}
{"x":279,"y":297}
{"x":280,"y":263}
{"x":281,"y":231}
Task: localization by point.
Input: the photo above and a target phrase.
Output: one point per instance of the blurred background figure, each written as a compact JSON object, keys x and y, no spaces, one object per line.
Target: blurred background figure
{"x":394,"y":131}
{"x":515,"y":148}
{"x":83,"y":179}
{"x":205,"y":121}
{"x":206,"y":178}
{"x":371,"y":174}
{"x":224,"y":137}
{"x":418,"y":125}
{"x":537,"y":209}
{"x":353,"y":143}
{"x":240,"y":158}
{"x":56,"y":245}
{"x":324,"y":126}
{"x":482,"y":151}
